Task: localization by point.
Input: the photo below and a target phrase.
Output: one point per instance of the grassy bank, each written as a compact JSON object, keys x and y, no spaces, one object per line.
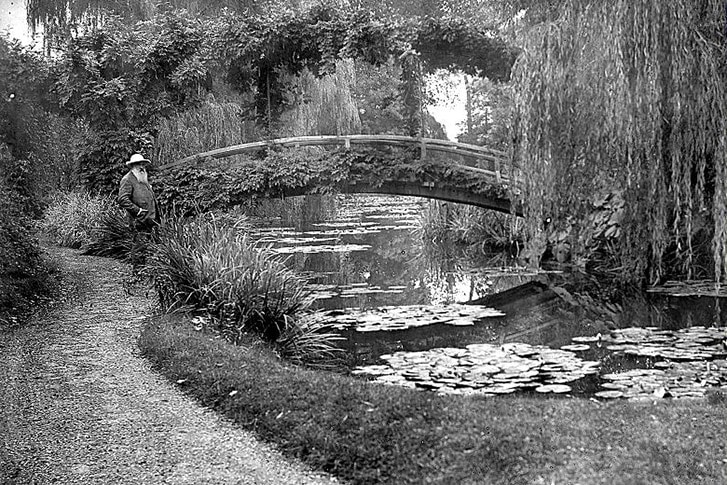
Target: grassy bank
{"x":368,"y":433}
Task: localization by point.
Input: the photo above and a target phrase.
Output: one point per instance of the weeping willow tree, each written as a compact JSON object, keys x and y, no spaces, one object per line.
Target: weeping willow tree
{"x":60,"y":19}
{"x":324,"y":105}
{"x":214,"y":124}
{"x":629,"y":95}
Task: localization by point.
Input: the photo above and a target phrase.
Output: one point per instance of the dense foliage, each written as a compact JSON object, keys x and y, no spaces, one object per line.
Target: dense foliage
{"x":24,"y":82}
{"x":630,"y":95}
{"x":122,"y":81}
{"x":213,"y":124}
{"x":61,"y":19}
{"x":20,"y":258}
{"x":317,"y":38}
{"x":488,"y":120}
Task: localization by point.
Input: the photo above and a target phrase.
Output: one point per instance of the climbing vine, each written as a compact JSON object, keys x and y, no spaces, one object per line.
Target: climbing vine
{"x":123,"y":79}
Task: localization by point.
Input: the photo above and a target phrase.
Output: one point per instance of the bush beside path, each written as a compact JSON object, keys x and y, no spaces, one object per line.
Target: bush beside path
{"x":78,"y":404}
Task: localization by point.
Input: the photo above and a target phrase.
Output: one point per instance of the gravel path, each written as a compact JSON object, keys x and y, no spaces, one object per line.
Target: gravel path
{"x":79,"y":405}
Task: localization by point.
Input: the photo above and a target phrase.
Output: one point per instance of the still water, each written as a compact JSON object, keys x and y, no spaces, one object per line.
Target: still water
{"x":399,"y":305}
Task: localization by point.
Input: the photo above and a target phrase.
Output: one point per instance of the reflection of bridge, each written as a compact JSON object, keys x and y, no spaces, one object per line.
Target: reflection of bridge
{"x":480,"y":165}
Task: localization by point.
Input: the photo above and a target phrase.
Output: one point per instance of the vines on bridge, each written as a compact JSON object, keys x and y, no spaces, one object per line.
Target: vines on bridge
{"x":219,"y":185}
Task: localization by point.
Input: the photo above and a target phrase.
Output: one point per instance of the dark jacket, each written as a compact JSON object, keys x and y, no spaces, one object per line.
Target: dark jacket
{"x":133,"y":196}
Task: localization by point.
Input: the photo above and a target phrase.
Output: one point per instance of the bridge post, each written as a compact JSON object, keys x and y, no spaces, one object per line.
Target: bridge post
{"x":498,"y":172}
{"x":423,"y":150}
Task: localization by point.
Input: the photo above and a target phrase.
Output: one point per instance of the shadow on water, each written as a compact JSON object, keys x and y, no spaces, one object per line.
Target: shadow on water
{"x":368,"y":268}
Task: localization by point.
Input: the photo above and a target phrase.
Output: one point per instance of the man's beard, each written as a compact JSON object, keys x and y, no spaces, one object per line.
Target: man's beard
{"x":140,"y":175}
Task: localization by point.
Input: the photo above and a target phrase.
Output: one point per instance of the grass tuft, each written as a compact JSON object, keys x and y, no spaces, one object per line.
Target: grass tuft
{"x":111,"y":237}
{"x":72,"y":217}
{"x":310,"y":341}
{"x":212,"y":266}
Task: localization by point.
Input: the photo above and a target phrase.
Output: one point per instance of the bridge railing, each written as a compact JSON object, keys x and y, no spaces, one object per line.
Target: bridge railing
{"x":483,"y":160}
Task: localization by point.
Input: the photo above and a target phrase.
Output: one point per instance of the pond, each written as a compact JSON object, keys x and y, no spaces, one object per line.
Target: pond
{"x":400,"y":307}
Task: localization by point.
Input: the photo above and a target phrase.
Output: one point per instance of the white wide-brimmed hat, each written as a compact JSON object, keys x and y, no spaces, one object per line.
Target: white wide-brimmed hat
{"x":137,"y":158}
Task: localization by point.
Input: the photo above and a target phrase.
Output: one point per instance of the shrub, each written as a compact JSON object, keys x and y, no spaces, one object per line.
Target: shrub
{"x":214,"y":267}
{"x":23,"y":273}
{"x":19,"y":251}
{"x":19,"y":254}
{"x":72,"y":217}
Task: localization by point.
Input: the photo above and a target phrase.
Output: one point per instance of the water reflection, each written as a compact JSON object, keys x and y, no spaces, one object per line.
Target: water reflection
{"x":362,"y":253}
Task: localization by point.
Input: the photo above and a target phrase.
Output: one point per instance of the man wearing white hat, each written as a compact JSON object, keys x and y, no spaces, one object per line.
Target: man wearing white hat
{"x":137,"y":197}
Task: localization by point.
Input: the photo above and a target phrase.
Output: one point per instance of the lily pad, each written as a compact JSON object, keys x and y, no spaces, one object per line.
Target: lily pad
{"x":576,"y":347}
{"x":555,"y":388}
{"x":609,"y":394}
{"x":588,"y":339}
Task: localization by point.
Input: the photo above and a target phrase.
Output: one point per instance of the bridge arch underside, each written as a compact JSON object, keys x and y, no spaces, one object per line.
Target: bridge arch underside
{"x":416,"y":189}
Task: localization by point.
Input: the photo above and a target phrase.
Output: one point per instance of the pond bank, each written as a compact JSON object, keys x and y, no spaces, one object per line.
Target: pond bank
{"x":375,"y":433}
{"x":80,"y":405}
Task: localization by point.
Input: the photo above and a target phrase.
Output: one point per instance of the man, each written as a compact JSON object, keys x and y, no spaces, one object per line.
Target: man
{"x":137,"y":197}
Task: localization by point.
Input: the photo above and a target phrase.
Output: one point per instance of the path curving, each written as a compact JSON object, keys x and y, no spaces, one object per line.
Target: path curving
{"x":79,"y":405}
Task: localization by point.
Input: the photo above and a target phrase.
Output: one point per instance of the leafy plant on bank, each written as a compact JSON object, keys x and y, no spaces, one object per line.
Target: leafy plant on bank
{"x":24,"y":273}
{"x":310,"y":341}
{"x":111,"y":237}
{"x":466,"y":226}
{"x":215,"y":269}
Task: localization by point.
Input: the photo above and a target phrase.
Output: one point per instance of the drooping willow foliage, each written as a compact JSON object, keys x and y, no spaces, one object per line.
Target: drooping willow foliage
{"x":214,"y":124}
{"x":629,"y":95}
{"x":325,"y":105}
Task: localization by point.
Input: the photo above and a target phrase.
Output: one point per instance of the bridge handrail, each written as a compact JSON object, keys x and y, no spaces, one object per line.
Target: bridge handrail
{"x":464,"y":149}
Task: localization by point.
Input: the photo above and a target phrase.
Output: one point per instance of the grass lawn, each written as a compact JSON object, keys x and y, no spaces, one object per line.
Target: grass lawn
{"x":372,"y":433}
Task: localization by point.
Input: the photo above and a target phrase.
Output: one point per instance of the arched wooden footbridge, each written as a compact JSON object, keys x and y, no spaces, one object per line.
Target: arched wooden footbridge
{"x":483,"y":166}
